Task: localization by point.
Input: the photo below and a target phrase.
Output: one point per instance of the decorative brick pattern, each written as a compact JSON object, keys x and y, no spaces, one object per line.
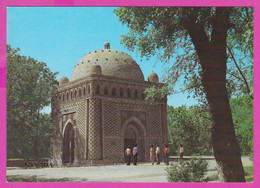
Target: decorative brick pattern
{"x":114,"y":149}
{"x":94,"y":129}
{"x":111,"y":117}
{"x":80,"y":137}
{"x":164,"y":123}
{"x":154,"y":121}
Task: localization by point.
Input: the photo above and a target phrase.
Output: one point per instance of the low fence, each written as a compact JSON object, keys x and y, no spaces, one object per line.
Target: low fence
{"x":176,"y":158}
{"x":41,"y":163}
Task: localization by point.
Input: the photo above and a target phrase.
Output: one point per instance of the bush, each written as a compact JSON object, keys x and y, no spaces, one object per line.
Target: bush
{"x":190,"y":171}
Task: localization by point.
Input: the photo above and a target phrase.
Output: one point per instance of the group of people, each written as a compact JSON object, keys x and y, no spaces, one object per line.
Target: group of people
{"x":154,"y":154}
{"x":128,"y":154}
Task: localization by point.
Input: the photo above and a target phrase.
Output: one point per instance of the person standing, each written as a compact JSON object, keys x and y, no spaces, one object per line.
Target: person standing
{"x":157,"y":152}
{"x":152,"y":154}
{"x":167,"y":151}
{"x":164,"y":154}
{"x":135,"y":149}
{"x":181,"y":151}
{"x":128,"y":155}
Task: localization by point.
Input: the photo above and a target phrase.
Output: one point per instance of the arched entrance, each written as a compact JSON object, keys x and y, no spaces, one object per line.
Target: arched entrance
{"x":68,"y":144}
{"x":133,"y":132}
{"x":130,"y":138}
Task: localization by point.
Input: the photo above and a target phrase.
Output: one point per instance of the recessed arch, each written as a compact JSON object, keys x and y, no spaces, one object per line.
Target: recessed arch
{"x":69,"y":121}
{"x":75,"y":93}
{"x":68,"y":143}
{"x":79,"y":89}
{"x":106,"y":90}
{"x":136,"y":121}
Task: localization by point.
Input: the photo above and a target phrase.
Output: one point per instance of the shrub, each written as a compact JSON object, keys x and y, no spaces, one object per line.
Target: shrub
{"x":190,"y":171}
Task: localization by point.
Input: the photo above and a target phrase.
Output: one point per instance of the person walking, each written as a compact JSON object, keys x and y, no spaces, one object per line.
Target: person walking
{"x":152,"y":154}
{"x":157,"y":152}
{"x":164,"y":154}
{"x":167,"y":151}
{"x":128,"y":155}
{"x":181,"y":151}
{"x":135,"y":149}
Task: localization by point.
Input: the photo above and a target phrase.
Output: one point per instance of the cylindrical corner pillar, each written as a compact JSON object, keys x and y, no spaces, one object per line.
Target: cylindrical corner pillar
{"x":95,"y":130}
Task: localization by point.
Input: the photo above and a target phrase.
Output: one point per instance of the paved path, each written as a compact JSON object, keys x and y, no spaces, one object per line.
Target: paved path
{"x":112,"y":173}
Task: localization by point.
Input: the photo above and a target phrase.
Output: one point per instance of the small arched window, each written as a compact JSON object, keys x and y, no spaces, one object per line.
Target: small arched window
{"x":88,"y":89}
{"x":67,"y":96}
{"x":79,"y":92}
{"x":114,"y":91}
{"x":121,"y":92}
{"x":136,"y":94}
{"x":97,"y":89}
{"x":71,"y":95}
{"x":129,"y":92}
{"x":106,"y":91}
{"x":143,"y":96}
{"x":84,"y":91}
{"x":75,"y":94}
{"x":63,"y":96}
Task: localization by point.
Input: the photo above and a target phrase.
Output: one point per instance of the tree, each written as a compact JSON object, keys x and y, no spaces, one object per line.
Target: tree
{"x":191,"y":127}
{"x":242,"y":112}
{"x":29,"y":90}
{"x":162,"y":31}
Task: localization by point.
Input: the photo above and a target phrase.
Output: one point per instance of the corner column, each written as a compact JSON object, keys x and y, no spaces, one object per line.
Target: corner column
{"x":95,"y":130}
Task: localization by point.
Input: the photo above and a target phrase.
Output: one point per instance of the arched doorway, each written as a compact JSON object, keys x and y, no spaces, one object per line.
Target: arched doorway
{"x":68,"y":144}
{"x":133,"y":132}
{"x":129,"y":138}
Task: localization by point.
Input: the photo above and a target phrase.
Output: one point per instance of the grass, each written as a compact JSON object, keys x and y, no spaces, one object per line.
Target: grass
{"x":213,"y":177}
{"x":248,"y":174}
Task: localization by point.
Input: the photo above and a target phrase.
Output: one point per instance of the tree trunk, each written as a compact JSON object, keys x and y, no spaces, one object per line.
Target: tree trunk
{"x":225,"y":146}
{"x":213,"y":59}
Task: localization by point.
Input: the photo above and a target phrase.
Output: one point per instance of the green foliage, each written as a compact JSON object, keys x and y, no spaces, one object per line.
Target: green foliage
{"x":190,"y":171}
{"x":29,"y":90}
{"x":249,"y":172}
{"x":242,"y":113}
{"x":163,"y":31}
{"x":190,"y":127}
{"x":156,"y":93}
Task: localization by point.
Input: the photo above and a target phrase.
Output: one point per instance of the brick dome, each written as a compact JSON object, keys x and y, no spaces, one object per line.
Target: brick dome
{"x":153,"y":77}
{"x":63,"y":80}
{"x":112,"y":62}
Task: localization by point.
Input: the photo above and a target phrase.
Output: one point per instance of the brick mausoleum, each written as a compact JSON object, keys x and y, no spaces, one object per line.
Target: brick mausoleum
{"x":102,"y":110}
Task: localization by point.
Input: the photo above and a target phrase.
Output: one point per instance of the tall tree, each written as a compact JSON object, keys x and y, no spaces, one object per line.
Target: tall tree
{"x":29,"y":90}
{"x":162,"y":31}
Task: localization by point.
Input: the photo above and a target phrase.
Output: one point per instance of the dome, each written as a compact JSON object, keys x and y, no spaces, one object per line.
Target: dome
{"x":112,"y":63}
{"x":153,"y":77}
{"x":63,"y":80}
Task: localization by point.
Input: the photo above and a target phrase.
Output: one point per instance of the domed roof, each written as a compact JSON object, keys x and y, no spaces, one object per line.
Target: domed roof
{"x":153,"y":77}
{"x":63,"y":80}
{"x":112,"y":62}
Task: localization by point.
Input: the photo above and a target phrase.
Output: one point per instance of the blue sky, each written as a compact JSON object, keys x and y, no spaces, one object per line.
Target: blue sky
{"x":60,"y":36}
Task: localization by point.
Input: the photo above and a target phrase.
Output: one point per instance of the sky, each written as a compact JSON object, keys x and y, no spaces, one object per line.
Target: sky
{"x":60,"y":36}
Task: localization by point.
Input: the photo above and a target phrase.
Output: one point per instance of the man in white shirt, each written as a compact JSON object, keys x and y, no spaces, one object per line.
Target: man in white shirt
{"x":135,"y":149}
{"x":157,"y":152}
